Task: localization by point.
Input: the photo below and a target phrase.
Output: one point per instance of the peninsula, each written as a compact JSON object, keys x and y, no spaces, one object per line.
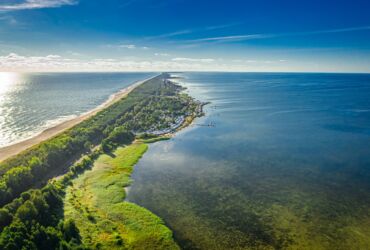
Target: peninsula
{"x":68,"y":191}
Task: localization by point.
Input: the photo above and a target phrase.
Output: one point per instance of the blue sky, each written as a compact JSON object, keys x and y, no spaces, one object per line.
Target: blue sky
{"x":160,"y":35}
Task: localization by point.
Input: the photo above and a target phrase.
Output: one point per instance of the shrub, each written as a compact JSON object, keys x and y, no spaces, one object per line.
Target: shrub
{"x":5,"y":218}
{"x":27,"y":211}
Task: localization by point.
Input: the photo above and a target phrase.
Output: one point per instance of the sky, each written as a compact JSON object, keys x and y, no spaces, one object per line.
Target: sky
{"x":185,"y":35}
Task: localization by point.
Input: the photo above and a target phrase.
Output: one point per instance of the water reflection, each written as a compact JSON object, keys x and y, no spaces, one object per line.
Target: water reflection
{"x":7,"y":79}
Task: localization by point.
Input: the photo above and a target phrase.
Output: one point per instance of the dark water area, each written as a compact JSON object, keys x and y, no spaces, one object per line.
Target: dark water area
{"x":32,"y":102}
{"x":287,"y":165}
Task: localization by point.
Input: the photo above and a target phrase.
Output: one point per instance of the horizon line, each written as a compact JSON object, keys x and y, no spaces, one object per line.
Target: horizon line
{"x":194,"y":71}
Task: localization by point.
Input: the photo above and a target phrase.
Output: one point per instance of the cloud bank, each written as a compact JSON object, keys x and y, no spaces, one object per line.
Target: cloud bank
{"x":14,"y":62}
{"x":57,"y":63}
{"x":34,"y":4}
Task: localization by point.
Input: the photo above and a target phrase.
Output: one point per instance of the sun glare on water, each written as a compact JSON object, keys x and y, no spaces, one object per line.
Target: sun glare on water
{"x":7,"y":79}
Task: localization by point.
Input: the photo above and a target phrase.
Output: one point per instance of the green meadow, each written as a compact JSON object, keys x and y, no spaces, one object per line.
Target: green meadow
{"x":95,"y":201}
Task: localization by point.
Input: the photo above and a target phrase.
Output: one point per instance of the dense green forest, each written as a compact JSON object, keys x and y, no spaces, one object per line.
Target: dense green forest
{"x":31,"y":216}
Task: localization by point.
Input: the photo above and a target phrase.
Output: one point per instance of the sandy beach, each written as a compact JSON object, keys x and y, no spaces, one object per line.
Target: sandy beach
{"x":14,"y":149}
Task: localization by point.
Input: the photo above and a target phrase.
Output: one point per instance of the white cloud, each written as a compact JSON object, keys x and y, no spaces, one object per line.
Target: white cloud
{"x":172,"y":34}
{"x":184,"y":59}
{"x":230,"y":38}
{"x":53,"y":56}
{"x":73,"y":53}
{"x":245,"y":37}
{"x":56,"y":63}
{"x":35,"y":4}
{"x":256,"y":62}
{"x":15,"y":59}
{"x":161,"y":54}
{"x":127,"y":46}
{"x":15,"y":62}
{"x":244,"y":61}
{"x":190,"y":31}
{"x":50,"y":63}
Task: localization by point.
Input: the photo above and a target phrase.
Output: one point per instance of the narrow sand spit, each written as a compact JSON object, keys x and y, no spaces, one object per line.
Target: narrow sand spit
{"x":16,"y":148}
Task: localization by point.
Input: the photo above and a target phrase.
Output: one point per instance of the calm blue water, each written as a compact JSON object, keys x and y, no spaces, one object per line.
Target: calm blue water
{"x":287,"y":164}
{"x":30,"y":103}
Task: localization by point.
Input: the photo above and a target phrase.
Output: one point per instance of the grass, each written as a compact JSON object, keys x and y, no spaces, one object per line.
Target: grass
{"x":95,"y":200}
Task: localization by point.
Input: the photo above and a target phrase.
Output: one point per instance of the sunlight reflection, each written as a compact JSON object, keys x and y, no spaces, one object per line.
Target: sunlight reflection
{"x":7,"y":79}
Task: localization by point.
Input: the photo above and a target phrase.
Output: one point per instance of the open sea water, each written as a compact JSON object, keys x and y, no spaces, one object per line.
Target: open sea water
{"x":287,"y":164}
{"x":33,"y":102}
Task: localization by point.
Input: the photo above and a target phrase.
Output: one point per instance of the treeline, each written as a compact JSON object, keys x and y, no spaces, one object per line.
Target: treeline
{"x":35,"y":219}
{"x":33,"y":222}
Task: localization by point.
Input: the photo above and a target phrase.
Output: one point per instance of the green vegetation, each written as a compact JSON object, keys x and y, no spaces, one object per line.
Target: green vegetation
{"x":95,"y":202}
{"x":34,"y":221}
{"x":153,"y":105}
{"x":38,"y":218}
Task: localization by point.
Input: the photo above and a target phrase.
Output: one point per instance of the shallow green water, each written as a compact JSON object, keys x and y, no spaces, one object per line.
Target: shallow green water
{"x":286,"y":166}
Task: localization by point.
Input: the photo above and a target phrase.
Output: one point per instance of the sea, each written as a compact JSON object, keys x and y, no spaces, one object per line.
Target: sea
{"x":33,"y":102}
{"x":279,"y":161}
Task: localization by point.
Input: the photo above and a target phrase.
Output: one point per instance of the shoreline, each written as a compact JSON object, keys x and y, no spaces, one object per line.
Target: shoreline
{"x":16,"y":148}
